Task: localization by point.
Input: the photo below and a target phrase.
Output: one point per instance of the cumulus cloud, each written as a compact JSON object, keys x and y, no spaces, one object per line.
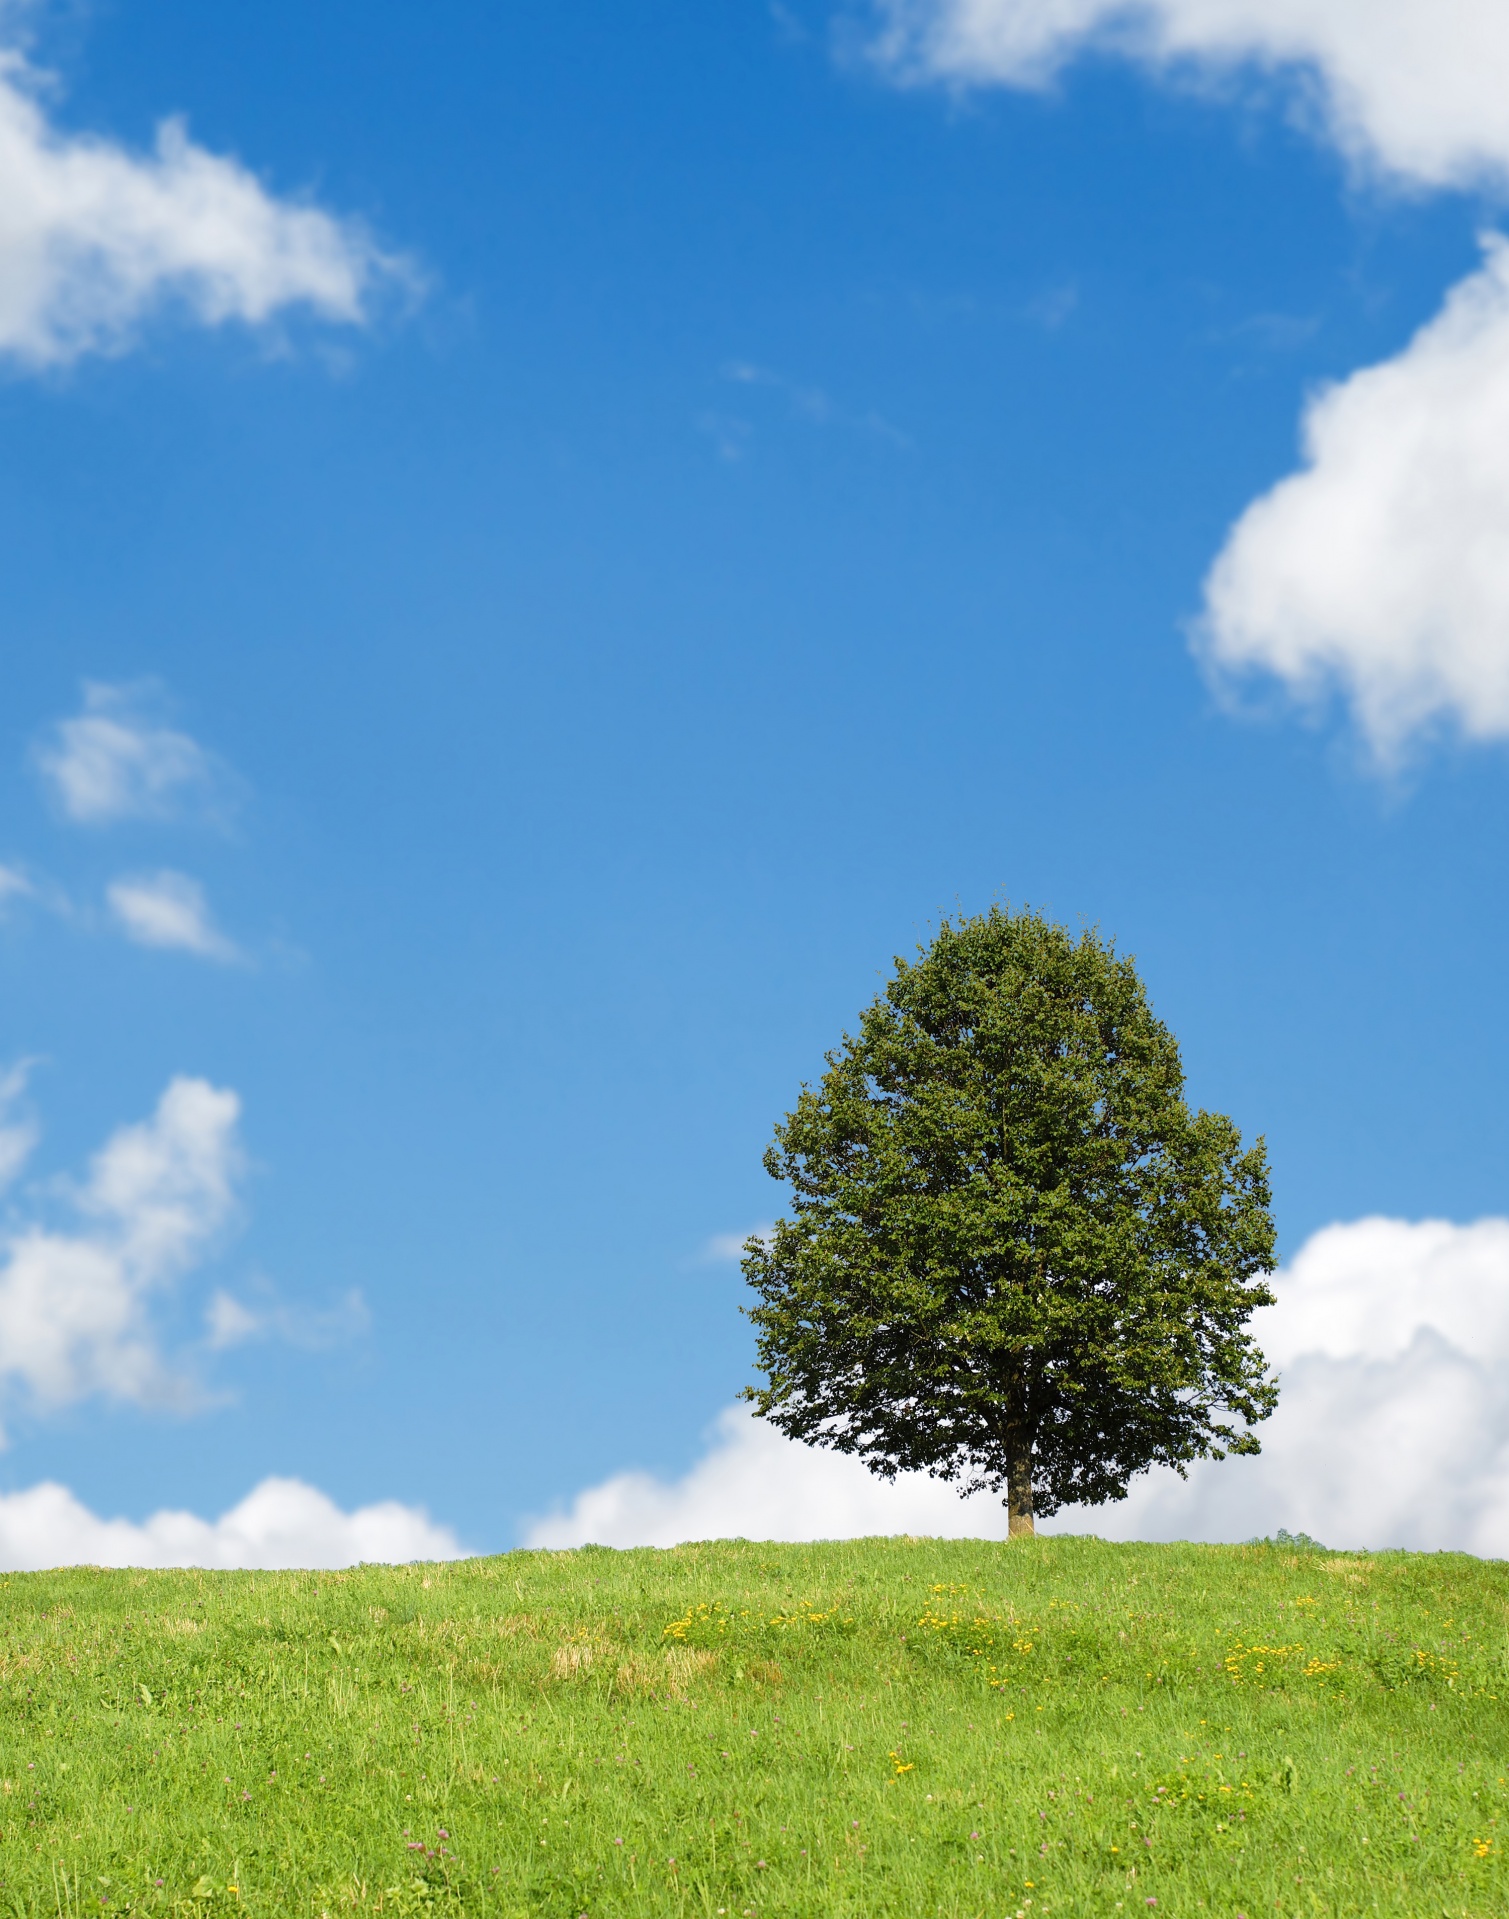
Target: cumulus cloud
{"x":75,"y":1305}
{"x":94,"y":237}
{"x":168,"y":910}
{"x":756,"y":1484}
{"x":1392,"y":1430}
{"x":281,"y":1523}
{"x":1381,"y":568}
{"x":119,"y":760}
{"x":1409,"y":88}
{"x":1378,"y":570}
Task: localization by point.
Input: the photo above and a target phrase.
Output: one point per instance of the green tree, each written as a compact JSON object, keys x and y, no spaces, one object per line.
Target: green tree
{"x":1016,"y":1259}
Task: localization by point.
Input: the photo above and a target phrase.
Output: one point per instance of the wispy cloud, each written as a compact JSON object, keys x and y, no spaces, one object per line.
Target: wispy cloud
{"x":238,"y":1322}
{"x":1276,"y":332}
{"x":789,"y":25}
{"x":812,"y":403}
{"x":19,"y":1131}
{"x":96,"y":237}
{"x":1054,"y":307}
{"x":281,"y":1523}
{"x":24,"y":887}
{"x":120,"y":760}
{"x":730,"y":1246}
{"x":807,"y":402}
{"x":168,"y":910}
{"x":728,"y":432}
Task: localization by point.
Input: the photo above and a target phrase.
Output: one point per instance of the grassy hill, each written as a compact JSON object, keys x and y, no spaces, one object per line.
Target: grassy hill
{"x":909,"y":1727}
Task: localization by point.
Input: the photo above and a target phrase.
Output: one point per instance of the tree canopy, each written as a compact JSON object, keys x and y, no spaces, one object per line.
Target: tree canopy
{"x":1015,"y":1258}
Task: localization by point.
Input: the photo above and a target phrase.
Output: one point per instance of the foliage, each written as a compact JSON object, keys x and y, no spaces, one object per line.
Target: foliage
{"x":533,"y":1735}
{"x":1015,"y":1257}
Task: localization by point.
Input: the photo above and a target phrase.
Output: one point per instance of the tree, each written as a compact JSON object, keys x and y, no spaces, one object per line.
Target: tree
{"x":1016,"y":1259}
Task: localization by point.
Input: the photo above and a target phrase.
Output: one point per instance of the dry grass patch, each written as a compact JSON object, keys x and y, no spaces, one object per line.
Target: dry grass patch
{"x":575,"y":1659}
{"x":517,"y":1625}
{"x":663,"y":1676}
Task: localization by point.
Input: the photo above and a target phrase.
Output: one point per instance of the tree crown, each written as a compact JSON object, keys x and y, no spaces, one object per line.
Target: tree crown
{"x":1012,"y":1247}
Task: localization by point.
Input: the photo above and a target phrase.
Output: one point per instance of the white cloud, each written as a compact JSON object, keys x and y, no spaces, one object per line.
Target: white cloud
{"x":1393,"y":1424}
{"x":1366,"y":1290}
{"x":281,"y":1523}
{"x":755,"y":1484}
{"x":117,"y":760}
{"x":94,"y":237}
{"x":75,"y":1305}
{"x":168,"y":910}
{"x":1412,"y":88}
{"x":1392,"y":1429}
{"x":1381,"y":568}
{"x":1410,"y":1452}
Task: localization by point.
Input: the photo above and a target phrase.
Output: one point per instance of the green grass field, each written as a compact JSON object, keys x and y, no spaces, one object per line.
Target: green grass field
{"x":908,"y":1727}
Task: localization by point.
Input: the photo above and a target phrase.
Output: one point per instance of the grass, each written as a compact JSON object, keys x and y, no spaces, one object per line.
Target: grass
{"x":908,"y":1727}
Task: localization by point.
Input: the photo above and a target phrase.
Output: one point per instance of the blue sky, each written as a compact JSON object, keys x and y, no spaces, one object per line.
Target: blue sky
{"x":699,"y":501}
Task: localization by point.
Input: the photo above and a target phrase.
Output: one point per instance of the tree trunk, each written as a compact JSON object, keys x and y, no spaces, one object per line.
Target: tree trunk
{"x":1011,"y":1429}
{"x":1019,"y":1523}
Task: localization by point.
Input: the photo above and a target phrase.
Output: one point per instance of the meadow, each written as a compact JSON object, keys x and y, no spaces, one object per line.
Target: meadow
{"x":909,"y":1727}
